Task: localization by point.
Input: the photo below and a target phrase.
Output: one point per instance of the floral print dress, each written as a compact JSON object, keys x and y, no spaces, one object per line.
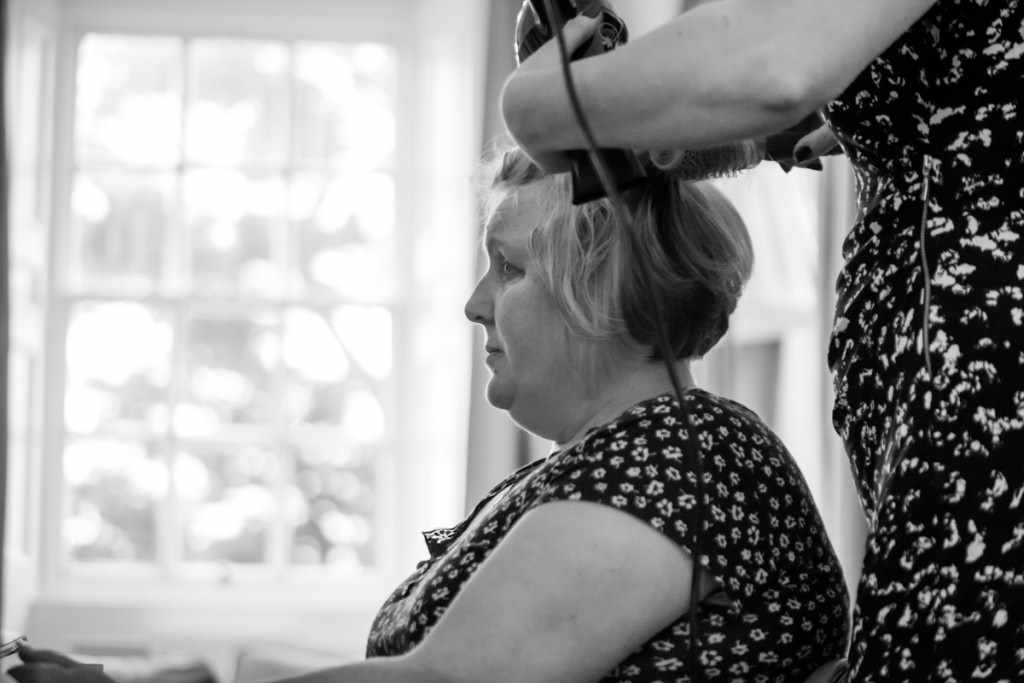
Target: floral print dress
{"x":927,"y":351}
{"x":782,"y":610}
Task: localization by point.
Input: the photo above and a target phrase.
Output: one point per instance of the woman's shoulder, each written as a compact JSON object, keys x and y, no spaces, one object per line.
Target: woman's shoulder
{"x":757,"y":519}
{"x":740,"y":455}
{"x":713,"y":420}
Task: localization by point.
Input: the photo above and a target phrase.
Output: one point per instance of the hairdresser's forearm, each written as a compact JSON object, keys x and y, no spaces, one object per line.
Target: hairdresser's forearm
{"x":638,"y":96}
{"x":377,"y":670}
{"x":726,"y":70}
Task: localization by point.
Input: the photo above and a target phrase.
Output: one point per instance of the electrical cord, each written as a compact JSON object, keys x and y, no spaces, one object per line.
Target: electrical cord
{"x":625,"y":219}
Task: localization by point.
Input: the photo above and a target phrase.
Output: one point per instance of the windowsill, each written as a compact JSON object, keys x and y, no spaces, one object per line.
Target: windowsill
{"x":217,"y":634}
{"x":356,"y":594}
{"x":215,"y":625}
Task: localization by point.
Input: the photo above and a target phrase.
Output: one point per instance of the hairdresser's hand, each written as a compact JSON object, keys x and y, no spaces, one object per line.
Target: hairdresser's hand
{"x":47,"y":666}
{"x":577,"y":31}
{"x":802,"y":145}
{"x":818,"y":143}
{"x":547,"y":57}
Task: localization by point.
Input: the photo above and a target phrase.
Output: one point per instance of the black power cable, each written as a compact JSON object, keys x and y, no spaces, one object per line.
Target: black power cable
{"x":625,"y":219}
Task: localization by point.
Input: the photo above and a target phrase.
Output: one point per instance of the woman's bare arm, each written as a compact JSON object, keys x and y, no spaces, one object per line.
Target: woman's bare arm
{"x":572,"y":590}
{"x":723,"y":71}
{"x":539,"y":607}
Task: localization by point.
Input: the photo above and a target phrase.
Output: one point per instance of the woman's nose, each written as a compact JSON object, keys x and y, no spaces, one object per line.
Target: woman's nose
{"x":478,"y":306}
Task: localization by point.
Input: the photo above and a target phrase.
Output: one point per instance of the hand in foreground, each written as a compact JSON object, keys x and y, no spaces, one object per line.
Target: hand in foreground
{"x":802,"y":145}
{"x":47,"y":666}
{"x":576,"y":32}
{"x":817,"y":143}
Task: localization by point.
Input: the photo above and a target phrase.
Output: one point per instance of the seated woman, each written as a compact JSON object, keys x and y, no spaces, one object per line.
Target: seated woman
{"x":578,"y":566}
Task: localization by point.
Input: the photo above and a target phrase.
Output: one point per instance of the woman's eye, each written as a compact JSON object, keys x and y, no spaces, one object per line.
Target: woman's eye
{"x":506,"y":268}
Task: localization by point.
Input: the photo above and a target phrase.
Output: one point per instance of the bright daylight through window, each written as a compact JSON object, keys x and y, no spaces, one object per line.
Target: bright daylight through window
{"x":230,"y":299}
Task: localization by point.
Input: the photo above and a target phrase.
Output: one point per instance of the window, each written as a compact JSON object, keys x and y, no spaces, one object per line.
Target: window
{"x":239,"y":309}
{"x":231,"y":299}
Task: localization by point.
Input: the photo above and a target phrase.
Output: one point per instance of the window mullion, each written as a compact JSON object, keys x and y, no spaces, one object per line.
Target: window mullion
{"x":176,"y":246}
{"x":170,"y":527}
{"x":178,"y":242}
{"x":285,"y":253}
{"x":279,"y":534}
{"x":288,"y":252}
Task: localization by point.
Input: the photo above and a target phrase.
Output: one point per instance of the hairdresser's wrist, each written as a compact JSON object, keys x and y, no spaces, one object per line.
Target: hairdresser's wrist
{"x":519,"y":117}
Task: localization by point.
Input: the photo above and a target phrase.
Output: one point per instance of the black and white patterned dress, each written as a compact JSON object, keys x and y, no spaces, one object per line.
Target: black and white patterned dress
{"x":927,"y":350}
{"x":784,"y":607}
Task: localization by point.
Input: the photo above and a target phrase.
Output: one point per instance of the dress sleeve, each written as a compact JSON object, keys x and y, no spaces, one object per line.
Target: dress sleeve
{"x":644,"y":469}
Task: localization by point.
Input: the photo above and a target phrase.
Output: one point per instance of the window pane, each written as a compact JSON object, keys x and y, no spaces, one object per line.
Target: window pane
{"x":356,"y":410}
{"x":113,"y":489}
{"x":321,"y":386}
{"x":238,"y":102}
{"x":118,"y":366}
{"x":317,"y":369}
{"x":312,"y":352}
{"x":346,"y":234}
{"x":344,"y":104}
{"x":128,"y":100}
{"x":330,"y":505}
{"x":365,"y":333}
{"x":118,"y":223}
{"x":234,"y":220}
{"x":228,"y":370}
{"x":228,"y":503}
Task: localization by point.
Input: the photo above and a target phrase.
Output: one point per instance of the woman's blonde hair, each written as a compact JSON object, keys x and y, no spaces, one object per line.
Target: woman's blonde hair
{"x":692,"y":239}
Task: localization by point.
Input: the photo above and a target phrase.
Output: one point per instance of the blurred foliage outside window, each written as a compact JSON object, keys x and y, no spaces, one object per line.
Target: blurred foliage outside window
{"x":231,"y":293}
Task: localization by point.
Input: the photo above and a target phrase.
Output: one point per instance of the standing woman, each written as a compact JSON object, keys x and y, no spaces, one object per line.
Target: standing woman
{"x":927,"y":349}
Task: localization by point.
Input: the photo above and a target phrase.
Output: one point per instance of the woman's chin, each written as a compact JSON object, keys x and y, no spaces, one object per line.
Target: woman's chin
{"x":499,"y":395}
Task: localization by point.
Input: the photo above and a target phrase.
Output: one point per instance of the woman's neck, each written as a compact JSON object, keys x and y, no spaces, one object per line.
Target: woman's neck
{"x":626,"y":390}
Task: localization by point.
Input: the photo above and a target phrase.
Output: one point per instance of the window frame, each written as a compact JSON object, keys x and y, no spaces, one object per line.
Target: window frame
{"x":31,"y":55}
{"x":436,"y":150}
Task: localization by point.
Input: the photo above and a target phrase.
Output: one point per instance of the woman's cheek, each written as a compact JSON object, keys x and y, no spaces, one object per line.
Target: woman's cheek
{"x":509,"y":314}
